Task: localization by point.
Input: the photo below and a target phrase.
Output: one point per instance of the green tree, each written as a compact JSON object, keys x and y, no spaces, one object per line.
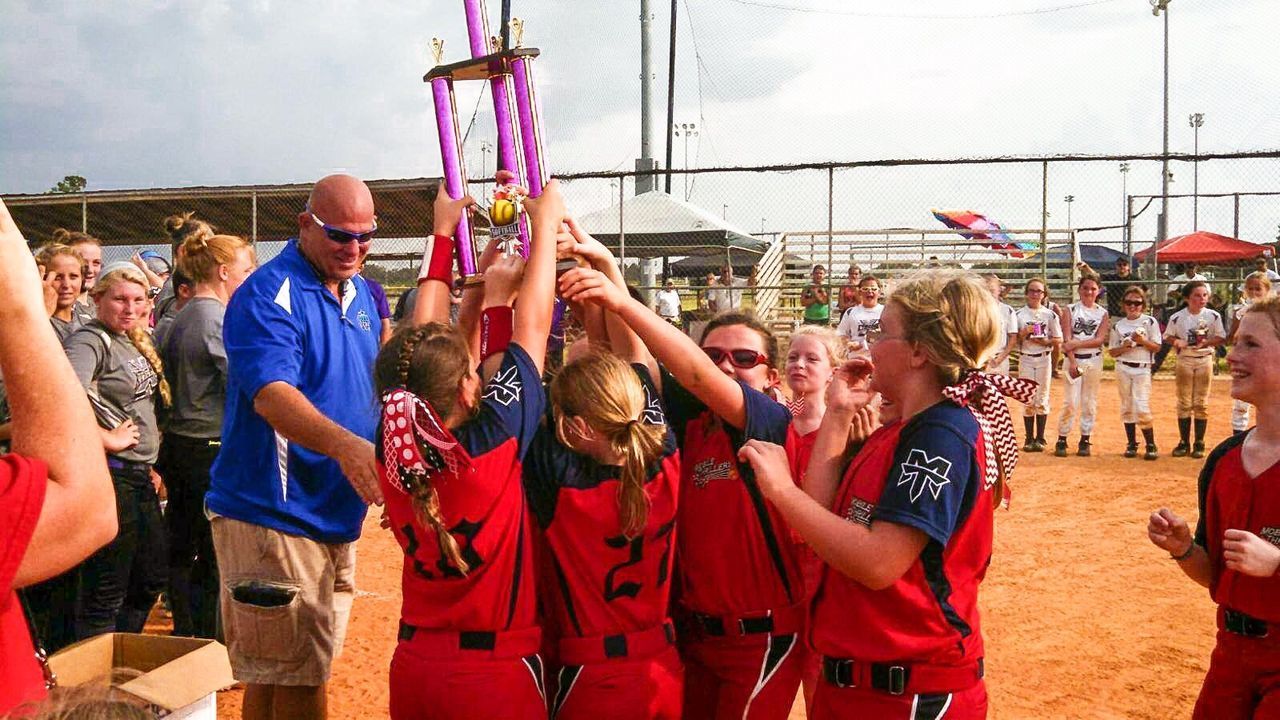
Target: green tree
{"x":70,"y":184}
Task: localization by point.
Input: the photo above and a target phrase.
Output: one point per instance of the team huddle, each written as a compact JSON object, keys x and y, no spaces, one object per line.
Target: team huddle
{"x":654,"y":535}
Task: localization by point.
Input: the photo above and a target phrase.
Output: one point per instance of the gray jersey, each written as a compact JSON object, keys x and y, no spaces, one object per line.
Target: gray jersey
{"x":64,"y":328}
{"x":109,"y":363}
{"x":195,"y":363}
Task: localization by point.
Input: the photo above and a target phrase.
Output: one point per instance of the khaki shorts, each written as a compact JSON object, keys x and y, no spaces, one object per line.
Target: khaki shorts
{"x":285,"y":602}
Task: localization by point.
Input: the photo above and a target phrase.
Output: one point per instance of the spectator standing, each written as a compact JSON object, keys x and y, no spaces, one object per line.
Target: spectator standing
{"x":114,"y":359}
{"x":64,"y":269}
{"x":195,"y":364}
{"x":1190,"y":273}
{"x":179,"y":228}
{"x":816,"y":299}
{"x":90,"y":248}
{"x":712,"y":296}
{"x":667,"y":303}
{"x":54,"y":486}
{"x":298,"y":470}
{"x":859,"y":321}
{"x":1114,"y":284}
{"x":849,"y":294}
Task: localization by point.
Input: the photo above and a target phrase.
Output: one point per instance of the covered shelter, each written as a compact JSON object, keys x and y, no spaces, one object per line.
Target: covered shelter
{"x":657,"y":225}
{"x":1098,"y":257}
{"x":1204,"y":248}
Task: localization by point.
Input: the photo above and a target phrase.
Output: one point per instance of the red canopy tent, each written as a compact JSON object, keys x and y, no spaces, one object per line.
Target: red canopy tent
{"x":1203,"y":247}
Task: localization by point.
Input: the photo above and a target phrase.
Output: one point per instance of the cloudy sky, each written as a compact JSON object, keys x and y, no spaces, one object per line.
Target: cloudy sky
{"x":164,"y":93}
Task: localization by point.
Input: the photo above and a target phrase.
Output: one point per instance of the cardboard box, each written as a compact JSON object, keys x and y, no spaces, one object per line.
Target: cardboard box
{"x":179,"y":677}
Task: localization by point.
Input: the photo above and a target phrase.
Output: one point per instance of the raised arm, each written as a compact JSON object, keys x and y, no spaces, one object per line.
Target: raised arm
{"x":532,"y":323}
{"x":676,"y":351}
{"x":432,"y":303}
{"x":51,"y":422}
{"x":848,"y":397}
{"x":623,"y":341}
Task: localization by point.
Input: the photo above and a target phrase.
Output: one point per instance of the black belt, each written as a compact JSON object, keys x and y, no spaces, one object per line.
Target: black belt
{"x":1241,"y":624}
{"x":897,"y":679}
{"x":1031,"y":355}
{"x":1126,"y":363}
{"x":177,"y":439}
{"x":470,"y":640}
{"x":1079,"y":356}
{"x":714,"y":625}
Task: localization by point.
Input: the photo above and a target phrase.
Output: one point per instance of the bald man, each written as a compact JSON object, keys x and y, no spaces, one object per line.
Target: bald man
{"x":296,"y":470}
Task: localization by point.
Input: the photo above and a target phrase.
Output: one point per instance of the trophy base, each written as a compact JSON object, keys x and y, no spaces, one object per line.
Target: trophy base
{"x":481,"y":68}
{"x":470,"y":281}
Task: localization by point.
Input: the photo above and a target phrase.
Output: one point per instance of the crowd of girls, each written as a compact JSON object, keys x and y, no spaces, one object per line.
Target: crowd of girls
{"x":651,"y":534}
{"x":158,"y":403}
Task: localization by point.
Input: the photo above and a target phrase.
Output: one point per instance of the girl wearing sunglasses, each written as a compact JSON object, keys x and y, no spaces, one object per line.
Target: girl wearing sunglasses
{"x":905,"y":529}
{"x":742,"y":590}
{"x":451,"y":446}
{"x":1135,"y":338}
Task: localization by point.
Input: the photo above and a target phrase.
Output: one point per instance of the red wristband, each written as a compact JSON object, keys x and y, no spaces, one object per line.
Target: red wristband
{"x":437,"y":260}
{"x":495,"y":330}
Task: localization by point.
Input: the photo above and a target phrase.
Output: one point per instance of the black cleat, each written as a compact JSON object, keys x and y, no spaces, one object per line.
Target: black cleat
{"x":1131,"y":450}
{"x":1151,"y":453}
{"x":1197,"y":450}
{"x":1181,"y":450}
{"x":1060,"y":448}
{"x":1085,"y":449}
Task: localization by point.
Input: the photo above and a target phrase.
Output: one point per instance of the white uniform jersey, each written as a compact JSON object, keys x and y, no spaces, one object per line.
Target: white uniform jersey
{"x":1086,"y":321}
{"x":1043,"y":323}
{"x":1125,"y":329}
{"x":1008,"y":324}
{"x":857,"y":321}
{"x":1189,"y":327}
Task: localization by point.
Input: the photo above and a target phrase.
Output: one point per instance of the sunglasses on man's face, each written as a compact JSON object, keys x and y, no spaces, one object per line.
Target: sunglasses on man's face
{"x":742,"y":359}
{"x":342,"y":237}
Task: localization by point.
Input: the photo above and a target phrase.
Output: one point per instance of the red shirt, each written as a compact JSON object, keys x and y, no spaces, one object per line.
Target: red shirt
{"x":484,"y":510}
{"x":22,"y":486}
{"x":1230,"y":499}
{"x":596,"y":580}
{"x":927,"y":473}
{"x":736,"y":555}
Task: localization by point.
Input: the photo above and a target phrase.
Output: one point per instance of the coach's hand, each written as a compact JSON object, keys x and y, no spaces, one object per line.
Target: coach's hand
{"x":359,"y":465}
{"x":1249,"y":554}
{"x":1169,"y":532}
{"x":772,"y":469}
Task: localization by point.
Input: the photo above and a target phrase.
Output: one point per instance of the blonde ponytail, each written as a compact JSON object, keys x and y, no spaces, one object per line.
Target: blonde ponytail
{"x":639,"y":444}
{"x":142,"y":341}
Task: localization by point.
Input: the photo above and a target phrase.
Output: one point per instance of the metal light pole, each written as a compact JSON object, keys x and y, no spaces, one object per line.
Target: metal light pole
{"x":685,"y":130}
{"x":724,"y":211}
{"x":1069,"y":199}
{"x":1124,"y":198}
{"x":486,"y":147}
{"x":1196,"y":121}
{"x":1163,"y":231}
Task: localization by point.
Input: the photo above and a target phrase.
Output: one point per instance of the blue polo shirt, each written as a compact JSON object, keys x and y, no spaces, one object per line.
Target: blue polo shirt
{"x":282,"y":325}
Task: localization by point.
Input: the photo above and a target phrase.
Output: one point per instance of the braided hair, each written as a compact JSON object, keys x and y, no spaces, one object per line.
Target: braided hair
{"x":430,"y":361}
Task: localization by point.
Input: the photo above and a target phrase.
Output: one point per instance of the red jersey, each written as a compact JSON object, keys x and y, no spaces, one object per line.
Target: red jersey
{"x":926,"y":473}
{"x":597,"y":581}
{"x":736,"y":554}
{"x":22,"y":486}
{"x":484,"y":509}
{"x":1231,"y":500}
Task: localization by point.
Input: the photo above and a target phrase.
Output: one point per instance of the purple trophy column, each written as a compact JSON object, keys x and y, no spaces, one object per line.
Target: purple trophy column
{"x":530,"y":124}
{"x":455,"y":174}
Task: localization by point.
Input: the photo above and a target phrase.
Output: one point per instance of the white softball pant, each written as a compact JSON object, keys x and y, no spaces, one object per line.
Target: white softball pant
{"x":1135,"y":393}
{"x":1081,"y":395}
{"x":1036,"y":367}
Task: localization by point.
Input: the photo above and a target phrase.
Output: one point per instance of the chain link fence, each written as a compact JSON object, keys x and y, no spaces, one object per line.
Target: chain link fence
{"x":760,"y":230}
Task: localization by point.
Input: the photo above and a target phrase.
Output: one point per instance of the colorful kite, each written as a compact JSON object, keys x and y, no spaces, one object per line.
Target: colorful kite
{"x":982,"y":229}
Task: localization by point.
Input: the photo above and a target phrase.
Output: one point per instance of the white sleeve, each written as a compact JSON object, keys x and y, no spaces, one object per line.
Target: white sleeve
{"x":1055,"y":326}
{"x":844,"y":329}
{"x":1010,"y":322}
{"x":1171,"y":330}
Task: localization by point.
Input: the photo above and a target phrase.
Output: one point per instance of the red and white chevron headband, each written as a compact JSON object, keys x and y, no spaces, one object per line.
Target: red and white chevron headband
{"x":984,"y":394}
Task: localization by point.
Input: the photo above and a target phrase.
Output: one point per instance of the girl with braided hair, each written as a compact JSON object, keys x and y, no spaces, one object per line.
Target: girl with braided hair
{"x":451,"y":445}
{"x":895,"y":614}
{"x":602,"y":480}
{"x":116,"y":362}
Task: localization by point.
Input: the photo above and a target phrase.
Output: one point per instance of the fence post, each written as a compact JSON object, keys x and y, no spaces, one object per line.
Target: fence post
{"x":84,"y":213}
{"x":1235,"y":232}
{"x":622,"y":231}
{"x":253,"y":222}
{"x":1044,"y":220}
{"x":1128,"y":227}
{"x":831,"y":225}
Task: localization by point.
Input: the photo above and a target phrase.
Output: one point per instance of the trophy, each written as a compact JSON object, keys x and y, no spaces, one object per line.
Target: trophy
{"x":1200,"y":333}
{"x":1039,"y":328}
{"x":510,"y":75}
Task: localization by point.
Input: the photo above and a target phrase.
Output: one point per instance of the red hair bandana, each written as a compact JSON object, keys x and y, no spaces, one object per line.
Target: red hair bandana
{"x":415,"y":443}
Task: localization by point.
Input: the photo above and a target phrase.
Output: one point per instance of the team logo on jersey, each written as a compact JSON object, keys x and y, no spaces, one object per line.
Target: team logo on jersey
{"x":920,"y":472}
{"x":1270,"y":534}
{"x":1084,"y":326}
{"x":362,"y":317}
{"x":708,"y":470}
{"x":145,"y":379}
{"x":866,"y":326}
{"x":504,"y":388}
{"x":652,"y":414}
{"x":860,"y":512}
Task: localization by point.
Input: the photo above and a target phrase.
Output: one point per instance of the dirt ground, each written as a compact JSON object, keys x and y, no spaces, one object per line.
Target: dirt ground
{"x":1083,"y":618}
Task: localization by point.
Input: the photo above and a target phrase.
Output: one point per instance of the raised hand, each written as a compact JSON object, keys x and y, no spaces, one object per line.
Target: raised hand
{"x":1169,"y":532}
{"x":588,"y":285}
{"x":770,"y":464}
{"x":447,"y":212}
{"x":850,"y":389}
{"x":865,"y":421}
{"x":1247,"y":553}
{"x":502,"y":280}
{"x":547,"y":209}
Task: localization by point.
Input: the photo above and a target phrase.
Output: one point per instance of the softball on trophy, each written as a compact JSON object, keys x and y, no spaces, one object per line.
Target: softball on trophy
{"x":502,"y":212}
